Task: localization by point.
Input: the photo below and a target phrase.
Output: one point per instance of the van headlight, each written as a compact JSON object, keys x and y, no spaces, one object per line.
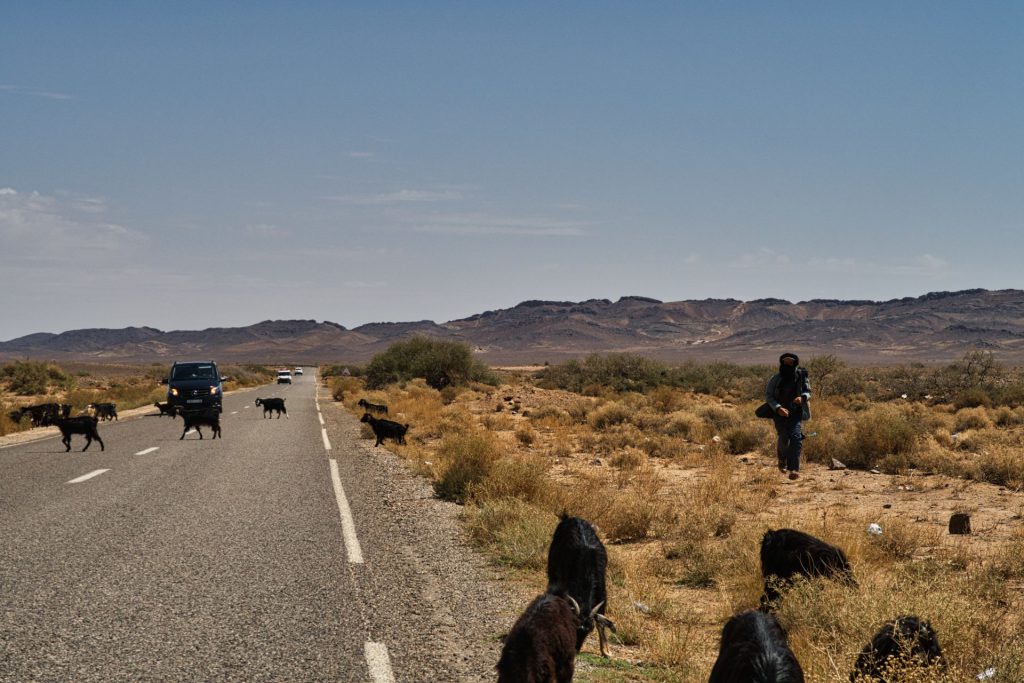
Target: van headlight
{"x":174,"y":391}
{"x":213,"y":391}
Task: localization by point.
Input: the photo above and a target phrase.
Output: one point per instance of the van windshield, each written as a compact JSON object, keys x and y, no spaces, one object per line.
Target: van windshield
{"x":193,"y":371}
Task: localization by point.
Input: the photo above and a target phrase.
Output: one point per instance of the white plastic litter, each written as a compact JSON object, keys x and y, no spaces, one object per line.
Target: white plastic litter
{"x":716,"y":439}
{"x":986,"y":674}
{"x":874,"y":529}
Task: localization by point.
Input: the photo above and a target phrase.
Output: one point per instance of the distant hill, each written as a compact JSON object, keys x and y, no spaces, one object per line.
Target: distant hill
{"x":936,"y":326}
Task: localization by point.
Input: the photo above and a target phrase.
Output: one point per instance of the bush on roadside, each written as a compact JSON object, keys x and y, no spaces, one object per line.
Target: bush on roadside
{"x":31,"y":378}
{"x":440,"y":363}
{"x":464,"y":461}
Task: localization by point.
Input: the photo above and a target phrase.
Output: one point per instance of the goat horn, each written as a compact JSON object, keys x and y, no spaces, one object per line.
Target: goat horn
{"x":596,"y":607}
{"x":575,"y":605}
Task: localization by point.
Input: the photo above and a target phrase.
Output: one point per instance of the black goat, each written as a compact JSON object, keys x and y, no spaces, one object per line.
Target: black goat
{"x":85,"y":425}
{"x":375,"y":407}
{"x":754,"y":650}
{"x":104,"y":411}
{"x":271,"y":404}
{"x":577,"y":562}
{"x":787,"y":553}
{"x":385,"y":429}
{"x":167,"y":409}
{"x":197,"y":418}
{"x":41,"y":415}
{"x":541,"y":647}
{"x":908,"y":642}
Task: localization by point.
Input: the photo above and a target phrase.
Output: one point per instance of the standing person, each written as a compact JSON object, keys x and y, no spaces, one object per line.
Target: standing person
{"x":789,"y":393}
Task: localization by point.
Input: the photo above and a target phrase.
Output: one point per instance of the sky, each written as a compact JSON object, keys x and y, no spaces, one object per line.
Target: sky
{"x":185,"y":166}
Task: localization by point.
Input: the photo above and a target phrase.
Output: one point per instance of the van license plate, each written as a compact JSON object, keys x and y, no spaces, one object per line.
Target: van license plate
{"x":194,"y":400}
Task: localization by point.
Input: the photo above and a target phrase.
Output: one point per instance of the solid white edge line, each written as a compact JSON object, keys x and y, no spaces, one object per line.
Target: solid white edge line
{"x":327,"y":443}
{"x":348,"y":525}
{"x":321,"y":418}
{"x":148,"y":450}
{"x":85,"y":477}
{"x":378,"y":662}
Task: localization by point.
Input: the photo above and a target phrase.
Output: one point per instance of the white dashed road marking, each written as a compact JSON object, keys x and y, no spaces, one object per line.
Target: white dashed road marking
{"x":327,"y":443}
{"x":86,"y":477}
{"x":379,"y":663}
{"x":148,"y":450}
{"x":191,"y":431}
{"x":234,"y":412}
{"x":348,"y":525}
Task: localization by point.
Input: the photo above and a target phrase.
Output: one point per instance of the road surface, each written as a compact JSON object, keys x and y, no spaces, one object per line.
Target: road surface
{"x":288,"y":550}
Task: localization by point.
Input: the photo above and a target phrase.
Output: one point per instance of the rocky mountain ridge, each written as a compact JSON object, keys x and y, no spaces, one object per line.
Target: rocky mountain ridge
{"x":936,"y":326}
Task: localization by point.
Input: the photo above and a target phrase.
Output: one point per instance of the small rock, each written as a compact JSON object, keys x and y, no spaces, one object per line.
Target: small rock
{"x":641,"y":607}
{"x":874,"y":530}
{"x":987,"y":674}
{"x":716,"y":439}
{"x":596,"y":461}
{"x":875,"y":470}
{"x":836,"y":465}
{"x":887,"y":506}
{"x":960,"y":524}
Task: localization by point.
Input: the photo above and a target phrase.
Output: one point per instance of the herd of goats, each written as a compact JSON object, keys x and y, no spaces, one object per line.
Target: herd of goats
{"x":544,"y":641}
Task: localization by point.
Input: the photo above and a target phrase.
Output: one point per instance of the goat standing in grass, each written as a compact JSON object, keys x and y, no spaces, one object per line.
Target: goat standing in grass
{"x":902,"y":645}
{"x":786,"y":553}
{"x":541,"y":647}
{"x":754,"y":650}
{"x":385,"y":429}
{"x":105,"y":411}
{"x":197,"y":418}
{"x":85,"y":425}
{"x":577,"y":561}
{"x":374,"y":407}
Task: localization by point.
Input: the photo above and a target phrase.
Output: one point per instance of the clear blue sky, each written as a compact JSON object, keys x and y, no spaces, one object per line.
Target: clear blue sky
{"x":185,"y":166}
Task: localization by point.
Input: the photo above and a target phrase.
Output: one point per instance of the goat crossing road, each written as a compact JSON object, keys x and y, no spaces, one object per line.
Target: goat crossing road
{"x":232,"y":559}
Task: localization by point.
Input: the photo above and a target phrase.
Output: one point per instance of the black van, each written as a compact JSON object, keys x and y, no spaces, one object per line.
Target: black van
{"x":194,"y":385}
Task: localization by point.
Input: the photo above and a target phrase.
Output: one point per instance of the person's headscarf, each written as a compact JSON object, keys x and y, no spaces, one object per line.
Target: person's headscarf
{"x":787,"y":371}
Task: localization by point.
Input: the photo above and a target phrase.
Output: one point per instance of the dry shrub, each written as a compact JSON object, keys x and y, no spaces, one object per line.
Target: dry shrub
{"x":720,"y":418}
{"x":526,"y":436}
{"x":464,"y":461}
{"x":1008,"y":417}
{"x":628,"y":459}
{"x":902,"y":539}
{"x":579,"y":410}
{"x":608,"y":415}
{"x":525,"y":478}
{"x":744,"y":438}
{"x":687,"y":426}
{"x":666,"y":399}
{"x":497,"y":422}
{"x":634,"y":509}
{"x":971,"y":418}
{"x":551,"y":416}
{"x":882,"y":430}
{"x":1003,"y":466}
{"x":345,"y":386}
{"x":516,"y":533}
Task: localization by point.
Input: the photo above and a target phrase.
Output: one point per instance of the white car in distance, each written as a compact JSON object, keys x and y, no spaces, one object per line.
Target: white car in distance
{"x":284,"y":377}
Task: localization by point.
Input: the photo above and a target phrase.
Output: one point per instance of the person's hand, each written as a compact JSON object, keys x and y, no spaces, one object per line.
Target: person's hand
{"x":798,"y":400}
{"x":783,"y":412}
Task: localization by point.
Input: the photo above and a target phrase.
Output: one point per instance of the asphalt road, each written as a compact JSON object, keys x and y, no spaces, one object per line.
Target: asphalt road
{"x":234,"y":559}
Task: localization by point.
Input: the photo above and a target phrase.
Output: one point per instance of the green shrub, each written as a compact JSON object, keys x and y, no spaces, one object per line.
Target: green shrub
{"x":440,"y":363}
{"x":30,"y":378}
{"x":972,"y":397}
{"x":466,"y":460}
{"x":616,"y":372}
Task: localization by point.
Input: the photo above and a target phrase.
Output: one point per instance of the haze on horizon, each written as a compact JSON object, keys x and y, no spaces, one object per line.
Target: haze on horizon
{"x":202,"y":165}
